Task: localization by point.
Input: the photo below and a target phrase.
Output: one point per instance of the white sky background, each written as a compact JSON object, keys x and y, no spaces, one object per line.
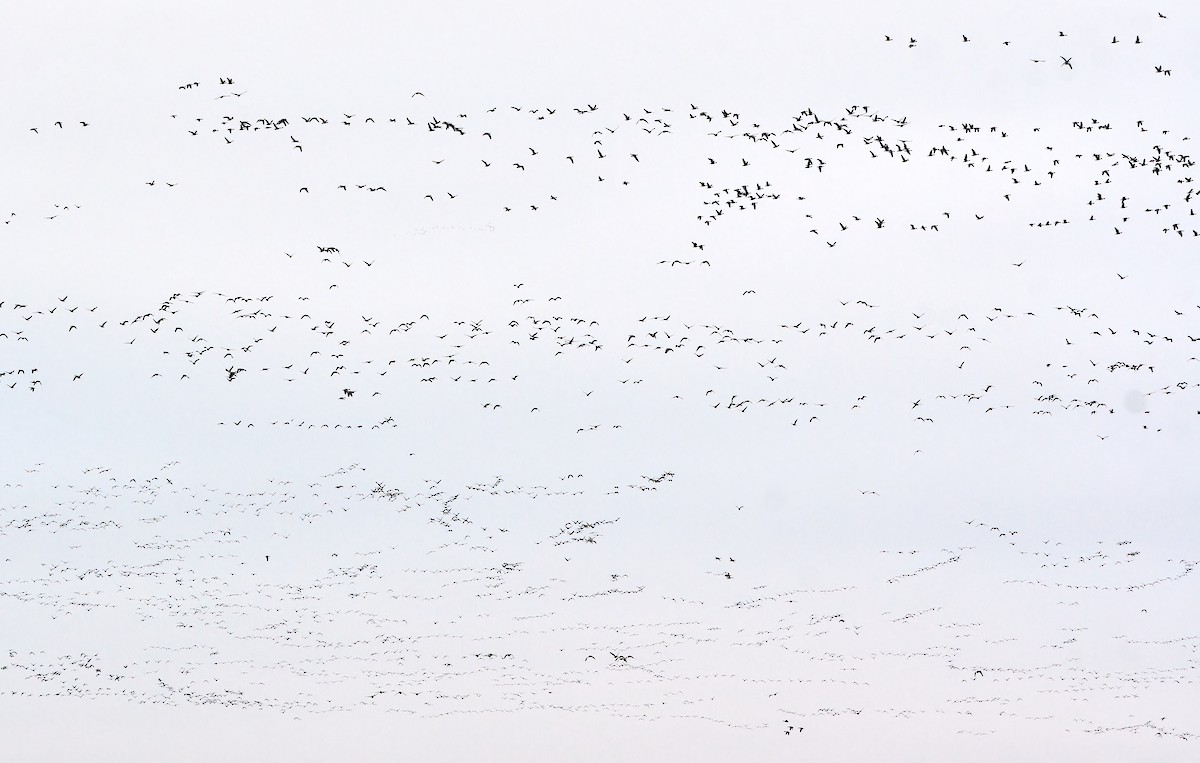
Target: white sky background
{"x":413,"y":573}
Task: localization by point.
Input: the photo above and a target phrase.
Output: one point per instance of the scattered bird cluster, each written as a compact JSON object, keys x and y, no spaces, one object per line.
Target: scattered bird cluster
{"x":628,"y":561}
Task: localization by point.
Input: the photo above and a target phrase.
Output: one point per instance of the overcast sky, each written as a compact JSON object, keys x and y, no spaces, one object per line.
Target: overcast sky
{"x":672,"y":381}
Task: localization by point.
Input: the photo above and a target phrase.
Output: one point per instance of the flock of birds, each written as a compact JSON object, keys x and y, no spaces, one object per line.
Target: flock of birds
{"x":460,"y":591}
{"x":347,"y":591}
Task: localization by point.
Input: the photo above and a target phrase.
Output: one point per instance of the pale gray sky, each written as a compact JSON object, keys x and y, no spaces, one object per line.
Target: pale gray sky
{"x":662,"y":382}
